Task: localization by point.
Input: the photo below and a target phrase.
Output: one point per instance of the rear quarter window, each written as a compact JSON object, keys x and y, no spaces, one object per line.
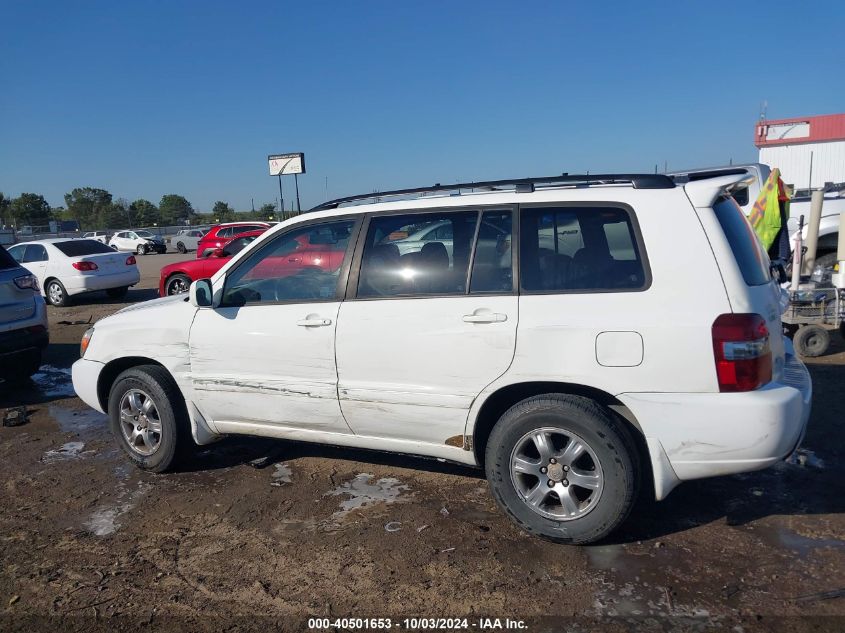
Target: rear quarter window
{"x":752,"y":260}
{"x":78,"y":248}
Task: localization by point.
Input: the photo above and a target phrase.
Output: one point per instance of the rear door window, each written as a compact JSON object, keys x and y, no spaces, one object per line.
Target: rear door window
{"x":752,"y":260}
{"x":587,"y":249}
{"x":35,"y":253}
{"x":398,"y":260}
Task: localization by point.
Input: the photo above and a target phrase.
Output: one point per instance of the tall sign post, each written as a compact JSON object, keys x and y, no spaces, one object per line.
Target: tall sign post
{"x":284,"y":165}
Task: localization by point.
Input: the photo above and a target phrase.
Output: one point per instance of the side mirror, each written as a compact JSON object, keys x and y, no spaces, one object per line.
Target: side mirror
{"x":200,"y":293}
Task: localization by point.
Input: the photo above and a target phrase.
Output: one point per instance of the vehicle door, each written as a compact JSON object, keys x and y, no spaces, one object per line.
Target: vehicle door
{"x":34,"y":258}
{"x":265,"y":355}
{"x":421,"y":334}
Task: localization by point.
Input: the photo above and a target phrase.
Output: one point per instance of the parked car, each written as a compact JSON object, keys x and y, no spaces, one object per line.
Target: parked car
{"x":186,"y":239}
{"x":177,"y":277}
{"x":68,"y":267}
{"x":138,"y":242}
{"x":23,"y":320}
{"x":100,"y":236}
{"x":571,"y":370}
{"x":219,"y":234}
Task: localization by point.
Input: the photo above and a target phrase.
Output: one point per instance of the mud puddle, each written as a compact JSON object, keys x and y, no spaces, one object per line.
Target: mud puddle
{"x":362,"y":493}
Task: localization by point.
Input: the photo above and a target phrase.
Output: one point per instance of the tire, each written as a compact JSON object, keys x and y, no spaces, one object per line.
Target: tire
{"x":607,"y":467}
{"x":811,"y":341}
{"x":55,"y":293}
{"x":165,"y":434}
{"x":177,"y":284}
{"x":181,"y":248}
{"x":141,"y":249}
{"x":117,"y":293}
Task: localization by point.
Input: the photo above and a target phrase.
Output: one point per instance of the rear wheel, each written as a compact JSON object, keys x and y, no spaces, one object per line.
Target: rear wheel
{"x":117,"y":293}
{"x":811,"y":340}
{"x":148,"y":418}
{"x":563,"y":468}
{"x":177,"y":284}
{"x":56,"y":293}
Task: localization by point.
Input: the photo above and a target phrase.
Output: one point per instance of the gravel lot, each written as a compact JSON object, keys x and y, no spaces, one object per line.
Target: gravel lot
{"x":89,"y":541}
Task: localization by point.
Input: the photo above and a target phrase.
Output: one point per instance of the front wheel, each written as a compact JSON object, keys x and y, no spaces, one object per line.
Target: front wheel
{"x":147,"y":416}
{"x":141,"y":249}
{"x":563,"y":468}
{"x":177,"y":284}
{"x":181,"y":248}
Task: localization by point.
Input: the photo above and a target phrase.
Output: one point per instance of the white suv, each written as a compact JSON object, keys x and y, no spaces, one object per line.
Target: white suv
{"x":580,"y":337}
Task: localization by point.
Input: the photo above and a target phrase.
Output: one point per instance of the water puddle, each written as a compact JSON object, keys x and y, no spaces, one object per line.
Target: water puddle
{"x":363,"y":493}
{"x":54,"y":382}
{"x":805,"y":458}
{"x":78,"y":421}
{"x":71,"y":450}
{"x":635,"y":584}
{"x":281,"y":475}
{"x":106,"y":519}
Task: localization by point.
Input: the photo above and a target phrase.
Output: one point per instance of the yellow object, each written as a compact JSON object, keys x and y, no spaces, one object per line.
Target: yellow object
{"x":765,"y":215}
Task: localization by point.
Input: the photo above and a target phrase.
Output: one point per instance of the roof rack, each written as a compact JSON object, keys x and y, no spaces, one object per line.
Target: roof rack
{"x":518,"y":185}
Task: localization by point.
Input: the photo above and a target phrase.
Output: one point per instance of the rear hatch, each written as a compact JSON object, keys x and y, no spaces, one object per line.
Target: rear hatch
{"x":754,"y":291}
{"x":108,"y":260}
{"x":16,"y":304}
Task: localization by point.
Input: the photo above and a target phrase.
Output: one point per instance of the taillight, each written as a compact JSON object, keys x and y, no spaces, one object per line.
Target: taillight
{"x":130,"y":261}
{"x":27,"y":282}
{"x":84,"y":266}
{"x":743,"y":355}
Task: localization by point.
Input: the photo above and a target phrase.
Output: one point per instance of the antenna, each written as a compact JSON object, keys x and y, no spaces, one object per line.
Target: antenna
{"x":763,"y":108}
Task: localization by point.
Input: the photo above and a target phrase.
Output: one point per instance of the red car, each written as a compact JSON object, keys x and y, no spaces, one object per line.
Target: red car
{"x":176,"y":278}
{"x":221,"y":234}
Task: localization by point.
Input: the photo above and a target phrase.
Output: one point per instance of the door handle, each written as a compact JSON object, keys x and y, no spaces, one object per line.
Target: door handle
{"x":314,"y":322}
{"x":488,"y":317}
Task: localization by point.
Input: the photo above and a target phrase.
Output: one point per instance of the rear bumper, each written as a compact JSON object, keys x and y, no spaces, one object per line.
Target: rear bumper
{"x":17,"y":341}
{"x":90,"y":283}
{"x":85,"y":375}
{"x":696,"y":435}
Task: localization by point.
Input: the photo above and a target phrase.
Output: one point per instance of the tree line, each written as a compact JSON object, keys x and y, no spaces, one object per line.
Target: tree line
{"x":97,"y":209}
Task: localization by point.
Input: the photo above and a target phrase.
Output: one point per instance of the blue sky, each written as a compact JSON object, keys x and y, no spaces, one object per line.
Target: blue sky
{"x":148,"y":98}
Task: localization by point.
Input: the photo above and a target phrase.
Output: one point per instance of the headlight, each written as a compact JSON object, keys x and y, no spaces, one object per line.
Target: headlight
{"x":86,"y":339}
{"x":25,"y":282}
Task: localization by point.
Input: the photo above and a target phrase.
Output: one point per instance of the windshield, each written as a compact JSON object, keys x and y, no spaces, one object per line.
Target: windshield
{"x":144,"y":234}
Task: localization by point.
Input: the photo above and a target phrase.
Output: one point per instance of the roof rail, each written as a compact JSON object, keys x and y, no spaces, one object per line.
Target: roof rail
{"x":519,"y":185}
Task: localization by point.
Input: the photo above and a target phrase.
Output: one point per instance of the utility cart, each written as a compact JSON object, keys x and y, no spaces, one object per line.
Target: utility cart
{"x":809,"y":310}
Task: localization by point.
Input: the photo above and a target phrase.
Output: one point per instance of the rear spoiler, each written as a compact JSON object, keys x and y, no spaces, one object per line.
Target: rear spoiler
{"x":703,"y":193}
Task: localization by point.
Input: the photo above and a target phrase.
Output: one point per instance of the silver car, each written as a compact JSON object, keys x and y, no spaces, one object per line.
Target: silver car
{"x":186,"y":239}
{"x":23,"y":320}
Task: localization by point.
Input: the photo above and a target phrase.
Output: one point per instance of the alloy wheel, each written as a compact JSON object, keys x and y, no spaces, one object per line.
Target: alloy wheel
{"x":140,"y":422}
{"x":556,"y":473}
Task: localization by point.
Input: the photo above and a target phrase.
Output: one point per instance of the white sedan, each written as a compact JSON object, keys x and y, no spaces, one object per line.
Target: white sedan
{"x":139,"y":242}
{"x":67,"y":267}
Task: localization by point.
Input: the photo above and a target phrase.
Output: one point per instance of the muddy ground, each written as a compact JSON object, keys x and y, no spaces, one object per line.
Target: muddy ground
{"x":87,"y":541}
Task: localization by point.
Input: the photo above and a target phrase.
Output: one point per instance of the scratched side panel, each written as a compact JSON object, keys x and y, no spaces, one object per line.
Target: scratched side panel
{"x":411,"y":368}
{"x":255,"y":364}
